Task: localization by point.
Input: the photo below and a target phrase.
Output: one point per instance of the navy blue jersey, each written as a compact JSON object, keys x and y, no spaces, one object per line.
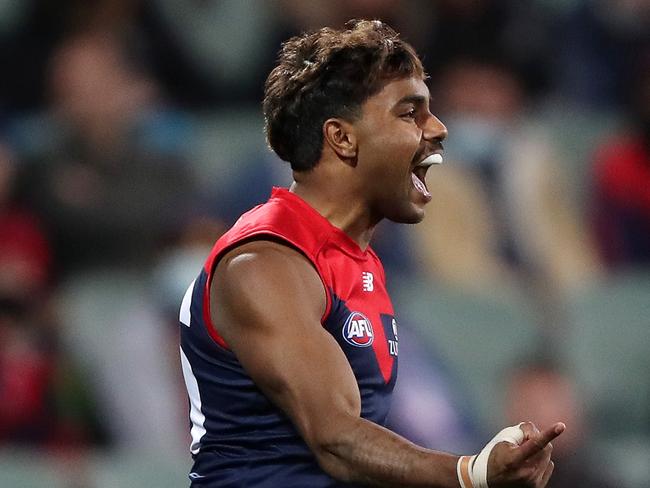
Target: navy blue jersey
{"x":241,"y":439}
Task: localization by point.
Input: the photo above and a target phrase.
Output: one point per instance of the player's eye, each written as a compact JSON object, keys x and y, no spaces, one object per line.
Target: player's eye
{"x":410,"y":114}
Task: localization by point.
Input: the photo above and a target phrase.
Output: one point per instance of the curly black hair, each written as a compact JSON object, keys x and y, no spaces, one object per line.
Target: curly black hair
{"x":329,"y":73}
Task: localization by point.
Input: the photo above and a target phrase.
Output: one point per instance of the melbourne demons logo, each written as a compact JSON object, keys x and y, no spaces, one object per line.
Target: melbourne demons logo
{"x":358,"y":330}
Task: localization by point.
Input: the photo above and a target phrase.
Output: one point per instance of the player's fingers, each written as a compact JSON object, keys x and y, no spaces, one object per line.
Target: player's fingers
{"x":542,"y":457}
{"x":529,"y":429}
{"x":547,"y":475}
{"x":538,"y":463}
{"x":537,"y":443}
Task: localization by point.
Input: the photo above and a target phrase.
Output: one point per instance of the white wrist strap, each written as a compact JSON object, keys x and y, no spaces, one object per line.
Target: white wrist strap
{"x":472,"y":470}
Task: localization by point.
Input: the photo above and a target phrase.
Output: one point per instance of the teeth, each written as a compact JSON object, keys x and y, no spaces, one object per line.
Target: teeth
{"x":433,"y":159}
{"x":419,"y":185}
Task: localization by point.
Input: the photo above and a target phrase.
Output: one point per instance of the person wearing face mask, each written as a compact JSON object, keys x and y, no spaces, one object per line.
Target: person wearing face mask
{"x":504,"y":197}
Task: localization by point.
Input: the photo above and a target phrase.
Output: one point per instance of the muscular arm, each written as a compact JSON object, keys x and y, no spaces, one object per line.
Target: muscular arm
{"x":266,"y":302}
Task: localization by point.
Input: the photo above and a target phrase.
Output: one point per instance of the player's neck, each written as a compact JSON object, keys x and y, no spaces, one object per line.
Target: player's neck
{"x":337,"y":204}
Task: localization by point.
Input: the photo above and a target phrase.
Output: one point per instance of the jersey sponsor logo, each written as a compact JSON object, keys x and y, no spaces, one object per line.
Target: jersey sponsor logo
{"x":393,"y":345}
{"x":357,"y":330}
{"x":367,"y":280}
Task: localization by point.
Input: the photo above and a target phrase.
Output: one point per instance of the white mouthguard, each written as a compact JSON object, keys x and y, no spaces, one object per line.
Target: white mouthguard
{"x":433,"y":159}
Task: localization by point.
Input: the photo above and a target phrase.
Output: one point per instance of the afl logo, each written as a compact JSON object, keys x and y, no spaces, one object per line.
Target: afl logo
{"x":358,"y":330}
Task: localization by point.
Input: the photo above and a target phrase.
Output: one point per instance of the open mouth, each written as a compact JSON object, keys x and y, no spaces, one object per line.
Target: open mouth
{"x":419,"y":173}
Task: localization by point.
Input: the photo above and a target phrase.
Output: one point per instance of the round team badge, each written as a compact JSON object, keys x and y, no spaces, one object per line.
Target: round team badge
{"x":357,"y":330}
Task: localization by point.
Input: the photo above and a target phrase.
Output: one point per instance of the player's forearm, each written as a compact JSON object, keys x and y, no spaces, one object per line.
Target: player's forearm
{"x":369,"y":454}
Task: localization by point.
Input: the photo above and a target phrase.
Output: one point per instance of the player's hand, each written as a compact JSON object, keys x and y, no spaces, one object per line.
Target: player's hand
{"x":528,"y":465}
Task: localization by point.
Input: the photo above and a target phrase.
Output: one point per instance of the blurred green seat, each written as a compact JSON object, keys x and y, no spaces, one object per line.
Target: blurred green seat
{"x":27,"y":469}
{"x":24,"y":468}
{"x":608,"y":352}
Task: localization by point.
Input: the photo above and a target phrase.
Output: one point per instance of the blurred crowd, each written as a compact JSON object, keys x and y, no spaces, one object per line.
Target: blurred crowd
{"x":131,"y":137}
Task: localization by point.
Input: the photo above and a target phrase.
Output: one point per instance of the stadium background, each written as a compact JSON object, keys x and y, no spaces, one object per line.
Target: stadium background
{"x":131,"y":137}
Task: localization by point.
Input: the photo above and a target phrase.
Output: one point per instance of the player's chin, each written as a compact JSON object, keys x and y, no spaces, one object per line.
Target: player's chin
{"x":411,"y":213}
{"x":416,"y":216}
{"x":417,"y":203}
{"x":407,"y":207}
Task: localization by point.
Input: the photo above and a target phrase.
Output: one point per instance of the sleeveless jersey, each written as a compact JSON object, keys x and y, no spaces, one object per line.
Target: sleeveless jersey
{"x":239,"y":438}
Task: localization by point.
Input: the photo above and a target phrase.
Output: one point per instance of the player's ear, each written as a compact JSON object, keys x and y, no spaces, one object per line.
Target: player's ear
{"x":339,"y":135}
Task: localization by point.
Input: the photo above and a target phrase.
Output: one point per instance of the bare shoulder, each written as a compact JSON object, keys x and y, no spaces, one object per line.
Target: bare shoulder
{"x":262,"y":255}
{"x":268,"y":264}
{"x":265,"y":275}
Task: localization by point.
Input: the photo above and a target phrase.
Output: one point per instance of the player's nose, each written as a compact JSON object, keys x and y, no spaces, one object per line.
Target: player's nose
{"x":434,"y":129}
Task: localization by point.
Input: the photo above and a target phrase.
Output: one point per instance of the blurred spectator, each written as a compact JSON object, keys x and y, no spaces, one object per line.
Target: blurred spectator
{"x":622,"y":184}
{"x":501,"y":216}
{"x":539,"y":392}
{"x":25,"y":253}
{"x":106,"y":173}
{"x":29,"y":32}
{"x":516,"y":33}
{"x":177,"y":266}
{"x":597,"y":46}
{"x":34,"y":375}
{"x":26,"y":364}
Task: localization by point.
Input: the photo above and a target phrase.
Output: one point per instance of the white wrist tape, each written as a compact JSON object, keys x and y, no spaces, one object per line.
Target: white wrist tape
{"x":472,"y":470}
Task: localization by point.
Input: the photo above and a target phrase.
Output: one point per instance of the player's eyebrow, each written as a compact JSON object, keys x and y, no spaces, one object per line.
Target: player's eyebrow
{"x":414,"y":99}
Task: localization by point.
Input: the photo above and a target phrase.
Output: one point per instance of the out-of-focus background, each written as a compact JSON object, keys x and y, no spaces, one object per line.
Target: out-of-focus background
{"x":131,"y":136}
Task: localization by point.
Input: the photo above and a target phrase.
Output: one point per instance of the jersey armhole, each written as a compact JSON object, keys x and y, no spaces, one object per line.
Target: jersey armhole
{"x":264,"y":235}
